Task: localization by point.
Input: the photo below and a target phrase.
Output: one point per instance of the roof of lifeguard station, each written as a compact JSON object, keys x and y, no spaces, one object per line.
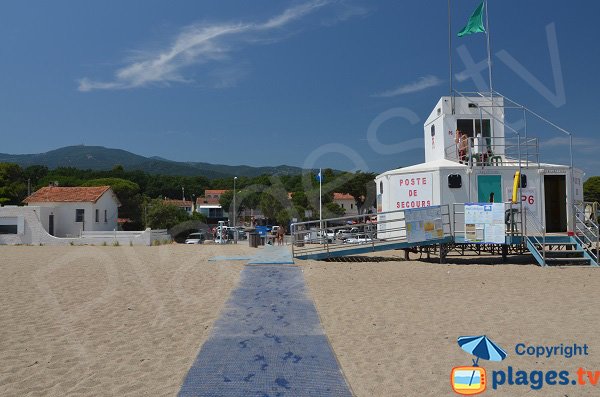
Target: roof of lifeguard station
{"x":55,"y":194}
{"x":428,"y":166}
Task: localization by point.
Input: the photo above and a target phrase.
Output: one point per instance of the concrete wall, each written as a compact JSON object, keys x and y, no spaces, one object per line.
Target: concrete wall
{"x":32,"y":231}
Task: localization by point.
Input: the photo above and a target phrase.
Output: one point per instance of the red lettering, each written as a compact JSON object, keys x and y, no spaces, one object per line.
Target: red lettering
{"x":424,"y":181}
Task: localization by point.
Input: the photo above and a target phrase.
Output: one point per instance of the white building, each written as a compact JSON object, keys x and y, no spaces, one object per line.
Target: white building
{"x":347,"y":202}
{"x":487,"y":170}
{"x":69,"y":211}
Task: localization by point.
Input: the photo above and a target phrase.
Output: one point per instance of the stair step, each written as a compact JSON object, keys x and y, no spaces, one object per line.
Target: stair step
{"x":567,"y":261}
{"x":564,"y":254}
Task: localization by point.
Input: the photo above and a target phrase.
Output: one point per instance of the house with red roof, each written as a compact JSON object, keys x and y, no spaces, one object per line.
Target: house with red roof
{"x":68,"y":211}
{"x":347,"y":202}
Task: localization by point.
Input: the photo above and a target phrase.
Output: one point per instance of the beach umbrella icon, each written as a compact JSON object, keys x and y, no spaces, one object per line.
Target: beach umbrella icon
{"x":481,"y":347}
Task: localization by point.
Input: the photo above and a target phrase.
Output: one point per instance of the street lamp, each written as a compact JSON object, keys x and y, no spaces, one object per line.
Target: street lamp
{"x":235,"y":231}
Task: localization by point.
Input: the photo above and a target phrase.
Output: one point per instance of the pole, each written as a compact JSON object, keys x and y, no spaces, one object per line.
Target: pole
{"x":489,"y":52}
{"x":235,"y":231}
{"x":320,"y":199}
{"x":450,"y":57}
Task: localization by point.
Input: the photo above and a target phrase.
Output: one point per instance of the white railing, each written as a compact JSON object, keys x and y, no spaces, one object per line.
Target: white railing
{"x":536,"y":232}
{"x":587,"y":233}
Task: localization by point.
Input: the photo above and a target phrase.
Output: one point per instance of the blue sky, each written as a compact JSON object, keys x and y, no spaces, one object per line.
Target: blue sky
{"x":282,"y":82}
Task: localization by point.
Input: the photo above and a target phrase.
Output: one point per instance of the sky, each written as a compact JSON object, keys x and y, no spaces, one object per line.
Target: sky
{"x":310,"y":83}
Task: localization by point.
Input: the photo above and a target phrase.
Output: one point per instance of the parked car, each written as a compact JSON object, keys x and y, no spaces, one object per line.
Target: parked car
{"x":358,"y":239}
{"x":195,"y":238}
{"x":343,"y":234}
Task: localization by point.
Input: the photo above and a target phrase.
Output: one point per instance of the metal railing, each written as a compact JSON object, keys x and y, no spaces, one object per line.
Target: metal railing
{"x":490,"y":151}
{"x":587,"y":233}
{"x":369,"y":230}
{"x":535,"y":231}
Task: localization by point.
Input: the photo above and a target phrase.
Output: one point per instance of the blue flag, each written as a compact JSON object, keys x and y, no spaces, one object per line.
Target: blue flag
{"x":319,"y":177}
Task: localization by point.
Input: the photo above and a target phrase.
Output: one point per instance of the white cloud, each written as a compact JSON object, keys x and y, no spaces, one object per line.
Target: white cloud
{"x":421,"y":84}
{"x":197,"y":45}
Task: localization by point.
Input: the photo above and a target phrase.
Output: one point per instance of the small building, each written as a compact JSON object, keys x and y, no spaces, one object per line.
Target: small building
{"x":69,"y":211}
{"x":484,"y":169}
{"x":183,"y":204}
{"x":347,"y":202}
{"x":209,"y":206}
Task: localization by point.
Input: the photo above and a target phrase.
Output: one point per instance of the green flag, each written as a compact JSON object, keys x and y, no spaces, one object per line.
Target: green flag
{"x":475,"y":23}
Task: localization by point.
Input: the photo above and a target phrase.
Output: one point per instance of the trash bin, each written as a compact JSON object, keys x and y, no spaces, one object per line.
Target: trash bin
{"x":254,"y":239}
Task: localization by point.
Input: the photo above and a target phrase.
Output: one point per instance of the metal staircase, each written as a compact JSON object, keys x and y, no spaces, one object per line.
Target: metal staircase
{"x":581,"y":249}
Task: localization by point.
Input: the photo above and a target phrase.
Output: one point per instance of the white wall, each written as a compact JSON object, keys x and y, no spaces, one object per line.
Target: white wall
{"x":33,"y":232}
{"x":445,"y":124}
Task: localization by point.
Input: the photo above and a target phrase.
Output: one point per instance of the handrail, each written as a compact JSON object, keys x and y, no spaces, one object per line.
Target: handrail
{"x":538,"y":227}
{"x":592,"y":229}
{"x":486,"y":148}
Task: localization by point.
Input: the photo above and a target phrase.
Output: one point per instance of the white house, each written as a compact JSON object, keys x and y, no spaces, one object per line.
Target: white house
{"x":68,"y":211}
{"x":347,"y":202}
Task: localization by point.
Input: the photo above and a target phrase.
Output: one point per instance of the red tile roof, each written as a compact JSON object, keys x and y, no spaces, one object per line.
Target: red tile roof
{"x":219,"y":191}
{"x":178,"y":203}
{"x":342,"y":196}
{"x":55,"y":194}
{"x":204,"y":200}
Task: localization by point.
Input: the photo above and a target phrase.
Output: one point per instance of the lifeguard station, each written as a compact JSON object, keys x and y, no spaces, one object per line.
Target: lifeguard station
{"x":544,"y":215}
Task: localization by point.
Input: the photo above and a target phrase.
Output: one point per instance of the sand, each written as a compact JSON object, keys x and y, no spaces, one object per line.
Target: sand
{"x":113,"y":321}
{"x":394,"y":325}
{"x":107,"y":321}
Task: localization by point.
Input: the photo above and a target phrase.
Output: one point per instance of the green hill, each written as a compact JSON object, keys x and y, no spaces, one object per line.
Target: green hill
{"x":102,"y":158}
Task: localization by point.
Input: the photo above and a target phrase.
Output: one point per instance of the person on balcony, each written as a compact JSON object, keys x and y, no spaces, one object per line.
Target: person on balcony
{"x":462,"y":144}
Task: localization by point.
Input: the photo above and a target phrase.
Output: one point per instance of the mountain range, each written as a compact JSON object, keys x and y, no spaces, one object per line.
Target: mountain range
{"x":102,"y":158}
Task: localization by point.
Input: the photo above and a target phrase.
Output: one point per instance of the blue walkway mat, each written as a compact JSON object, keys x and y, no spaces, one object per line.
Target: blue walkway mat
{"x":268,"y":342}
{"x":271,"y":255}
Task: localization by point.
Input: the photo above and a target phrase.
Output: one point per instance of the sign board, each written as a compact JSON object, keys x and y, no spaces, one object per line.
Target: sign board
{"x":423,"y":224}
{"x":528,"y":197}
{"x":484,"y":223}
{"x":411,"y":190}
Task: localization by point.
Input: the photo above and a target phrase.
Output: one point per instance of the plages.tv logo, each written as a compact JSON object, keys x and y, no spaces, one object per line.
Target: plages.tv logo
{"x":470,"y":380}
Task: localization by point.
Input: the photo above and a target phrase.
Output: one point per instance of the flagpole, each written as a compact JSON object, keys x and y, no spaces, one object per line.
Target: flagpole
{"x":450,"y":57}
{"x":320,"y":200}
{"x":489,"y":52}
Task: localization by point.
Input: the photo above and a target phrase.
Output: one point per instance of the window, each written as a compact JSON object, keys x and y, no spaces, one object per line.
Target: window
{"x":8,"y":229}
{"x":351,"y":206}
{"x":381,"y":187}
{"x":454,"y":181}
{"x":342,"y":205}
{"x":105,"y":217}
{"x":523,"y":180}
{"x":79,"y":213}
{"x":432,"y":130}
{"x":97,"y":215}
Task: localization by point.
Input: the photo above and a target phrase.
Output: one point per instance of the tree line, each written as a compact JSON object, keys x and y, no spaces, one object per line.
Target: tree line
{"x":141,"y":194}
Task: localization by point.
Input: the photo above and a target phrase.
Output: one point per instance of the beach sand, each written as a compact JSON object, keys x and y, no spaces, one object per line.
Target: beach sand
{"x":394,"y":325}
{"x":107,"y":321}
{"x":100,"y":321}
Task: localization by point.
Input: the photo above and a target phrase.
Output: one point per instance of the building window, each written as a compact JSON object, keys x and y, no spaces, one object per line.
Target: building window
{"x":105,"y":217}
{"x":8,"y":229}
{"x":351,"y":206}
{"x":454,"y":181}
{"x":97,"y":215}
{"x":79,"y":213}
{"x":381,"y":187}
